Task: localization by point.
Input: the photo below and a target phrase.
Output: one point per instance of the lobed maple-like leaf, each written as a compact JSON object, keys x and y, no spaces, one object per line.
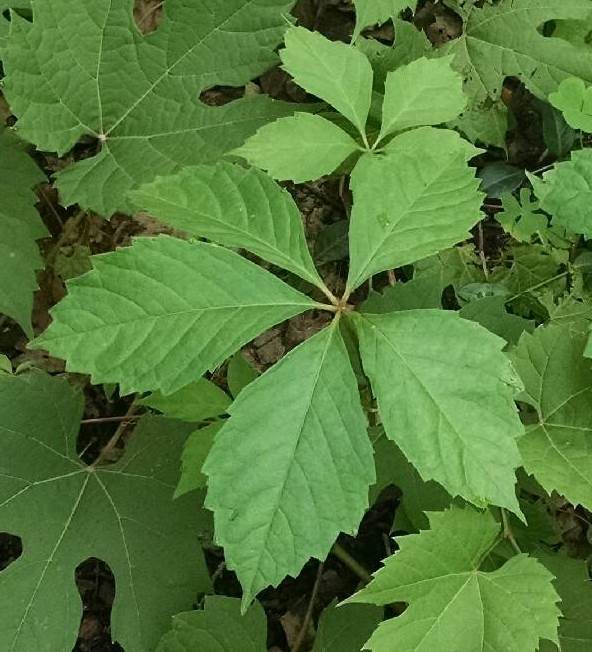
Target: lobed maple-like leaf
{"x":236,"y":207}
{"x":453,"y":604}
{"x":504,"y":39}
{"x":291,"y":468}
{"x":66,"y":512}
{"x":158,"y":314}
{"x":377,"y":12}
{"x":445,"y":395}
{"x":82,"y":68}
{"x":20,"y":227}
{"x":557,"y":449}
{"x":218,"y":627}
{"x":416,"y":199}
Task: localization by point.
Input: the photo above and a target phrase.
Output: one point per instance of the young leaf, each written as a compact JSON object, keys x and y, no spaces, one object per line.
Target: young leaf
{"x":423,"y":93}
{"x":558,"y":383}
{"x":337,"y":73}
{"x":236,"y":207}
{"x":160,"y":313}
{"x":520,"y":217}
{"x":504,"y":40}
{"x":82,"y":69}
{"x":195,"y":402}
{"x":347,"y":628}
{"x":453,"y":605}
{"x":196,"y":450}
{"x":20,"y":227}
{"x":123,"y":514}
{"x":377,"y":12}
{"x":418,"y":198}
{"x":292,"y":466}
{"x":299,"y":148}
{"x":574,"y":99}
{"x":445,"y":396}
{"x":218,"y":627}
{"x":239,"y":374}
{"x":566,"y":192}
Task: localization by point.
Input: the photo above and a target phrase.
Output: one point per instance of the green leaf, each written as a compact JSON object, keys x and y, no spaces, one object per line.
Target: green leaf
{"x":376,"y":12}
{"x":445,"y":396}
{"x":236,"y":207}
{"x":195,"y":402}
{"x":558,"y":384}
{"x":83,"y":69}
{"x":519,"y":217}
{"x":499,"y":178}
{"x":300,"y":148}
{"x":197,"y":448}
{"x":559,"y":137}
{"x":491,"y":313}
{"x":346,"y":628}
{"x":487,"y":123}
{"x":158,"y":314}
{"x":453,"y":605}
{"x":218,"y":627}
{"x":418,"y":293}
{"x":457,"y":266}
{"x":574,"y":99}
{"x":575,"y":590}
{"x":416,"y":199}
{"x":239,"y":374}
{"x":337,"y":73}
{"x":292,"y":466}
{"x":423,"y":93}
{"x":566,"y":192}
{"x":20,"y":227}
{"x":65,"y":512}
{"x":503,"y":40}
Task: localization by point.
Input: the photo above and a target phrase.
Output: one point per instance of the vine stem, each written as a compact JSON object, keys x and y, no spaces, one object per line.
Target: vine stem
{"x":308,"y":616}
{"x":110,"y":445}
{"x":351,"y":563}
{"x":508,"y":534}
{"x":125,"y":417}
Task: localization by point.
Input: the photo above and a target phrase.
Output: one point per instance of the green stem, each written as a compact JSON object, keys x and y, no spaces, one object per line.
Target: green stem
{"x":351,"y":563}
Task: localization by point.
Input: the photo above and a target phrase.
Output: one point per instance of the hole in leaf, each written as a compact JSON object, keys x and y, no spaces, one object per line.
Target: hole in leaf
{"x":96,"y":586}
{"x":11,"y":548}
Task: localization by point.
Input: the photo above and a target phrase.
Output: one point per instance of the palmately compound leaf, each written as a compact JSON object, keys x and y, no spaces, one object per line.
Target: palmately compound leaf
{"x":574,"y":99}
{"x":20,"y":227}
{"x":377,"y":12}
{"x":425,"y":92}
{"x":292,"y":466}
{"x":453,"y":604}
{"x":504,"y":39}
{"x":558,"y":383}
{"x":236,"y":207}
{"x":333,"y":71}
{"x":195,"y":402}
{"x":566,"y":192}
{"x":66,"y":512}
{"x":445,"y":395}
{"x":218,"y":627}
{"x":418,"y":198}
{"x":81,"y":68}
{"x":346,"y":628}
{"x":300,"y":148}
{"x":158,"y":314}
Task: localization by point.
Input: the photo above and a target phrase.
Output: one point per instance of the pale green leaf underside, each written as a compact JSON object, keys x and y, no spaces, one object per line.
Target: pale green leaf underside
{"x":453,"y":605}
{"x":566,"y":193}
{"x":140,"y":95}
{"x":445,"y":395}
{"x":574,"y":99}
{"x":195,"y":402}
{"x":558,"y":382}
{"x":20,"y":227}
{"x":302,"y":147}
{"x":376,"y":12}
{"x":158,"y":314}
{"x":423,"y":93}
{"x":236,"y":207}
{"x":333,"y":71}
{"x":219,"y":627}
{"x":346,"y":628}
{"x":504,"y":40}
{"x":284,"y":482}
{"x":65,"y":514}
{"x":418,"y":198}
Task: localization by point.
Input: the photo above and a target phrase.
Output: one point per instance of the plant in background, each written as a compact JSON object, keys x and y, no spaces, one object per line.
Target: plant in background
{"x":395,"y":386}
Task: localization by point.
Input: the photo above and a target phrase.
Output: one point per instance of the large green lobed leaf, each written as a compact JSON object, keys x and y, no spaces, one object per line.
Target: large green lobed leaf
{"x":158,"y":314}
